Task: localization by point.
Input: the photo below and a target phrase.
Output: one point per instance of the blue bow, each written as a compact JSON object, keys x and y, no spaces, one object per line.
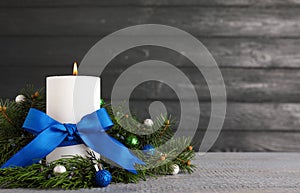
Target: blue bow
{"x":90,"y":130}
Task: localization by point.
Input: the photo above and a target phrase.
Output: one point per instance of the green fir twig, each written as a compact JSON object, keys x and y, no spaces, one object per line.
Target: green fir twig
{"x":80,"y":170}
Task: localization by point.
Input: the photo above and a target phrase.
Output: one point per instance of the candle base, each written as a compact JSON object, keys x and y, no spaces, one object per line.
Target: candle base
{"x":69,"y":151}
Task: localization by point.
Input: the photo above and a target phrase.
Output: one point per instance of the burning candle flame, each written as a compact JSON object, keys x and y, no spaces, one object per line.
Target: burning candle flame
{"x":75,"y":71}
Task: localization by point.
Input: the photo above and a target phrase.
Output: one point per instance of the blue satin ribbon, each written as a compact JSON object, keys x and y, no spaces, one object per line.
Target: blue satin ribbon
{"x":90,"y":130}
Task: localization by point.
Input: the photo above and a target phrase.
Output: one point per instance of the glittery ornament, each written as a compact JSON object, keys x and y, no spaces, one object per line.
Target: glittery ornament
{"x":103,"y":178}
{"x":132,"y":141}
{"x":20,"y":98}
{"x":149,"y":149}
{"x":59,"y":169}
{"x":148,"y":123}
{"x":175,"y":168}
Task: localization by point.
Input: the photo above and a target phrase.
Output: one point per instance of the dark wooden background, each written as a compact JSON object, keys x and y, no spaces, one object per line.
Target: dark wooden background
{"x":255,"y":42}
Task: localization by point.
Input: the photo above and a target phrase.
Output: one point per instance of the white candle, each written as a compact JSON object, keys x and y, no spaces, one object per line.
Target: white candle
{"x":69,"y":98}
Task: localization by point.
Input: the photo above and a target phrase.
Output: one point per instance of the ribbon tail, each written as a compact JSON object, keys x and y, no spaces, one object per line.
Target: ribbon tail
{"x":37,"y":149}
{"x":111,"y":149}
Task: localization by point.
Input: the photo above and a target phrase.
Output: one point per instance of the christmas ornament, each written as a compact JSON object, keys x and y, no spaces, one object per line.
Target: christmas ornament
{"x":167,"y":122}
{"x":132,"y":141}
{"x":35,"y":95}
{"x":148,"y":123}
{"x":149,"y":149}
{"x":37,"y":121}
{"x":163,"y":157}
{"x":20,"y":98}
{"x":102,"y":177}
{"x":102,"y":102}
{"x":78,"y":172}
{"x":188,"y":162}
{"x":190,"y":148}
{"x":175,"y":168}
{"x":59,"y":169}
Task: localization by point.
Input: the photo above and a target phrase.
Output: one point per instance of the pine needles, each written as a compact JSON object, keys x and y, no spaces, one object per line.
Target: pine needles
{"x":168,"y":150}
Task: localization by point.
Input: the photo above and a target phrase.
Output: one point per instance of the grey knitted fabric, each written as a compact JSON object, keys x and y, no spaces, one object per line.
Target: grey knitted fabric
{"x":217,"y":172}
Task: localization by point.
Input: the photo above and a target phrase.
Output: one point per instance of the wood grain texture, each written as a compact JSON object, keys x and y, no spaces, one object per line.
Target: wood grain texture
{"x":51,"y":3}
{"x":200,"y":21}
{"x":228,"y":52}
{"x":256,"y":141}
{"x":256,"y":44}
{"x":240,"y":116}
{"x":14,"y":79}
{"x":242,"y":85}
{"x":256,"y":117}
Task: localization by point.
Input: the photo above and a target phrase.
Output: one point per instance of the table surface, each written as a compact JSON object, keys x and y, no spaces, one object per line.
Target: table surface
{"x":219,"y":172}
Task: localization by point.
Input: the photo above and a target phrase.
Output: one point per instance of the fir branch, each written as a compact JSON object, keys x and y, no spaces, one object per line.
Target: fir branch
{"x":4,"y":114}
{"x":80,"y":171}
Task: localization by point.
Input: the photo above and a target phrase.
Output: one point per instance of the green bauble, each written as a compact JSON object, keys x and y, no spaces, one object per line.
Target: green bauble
{"x":132,"y":141}
{"x":102,"y":102}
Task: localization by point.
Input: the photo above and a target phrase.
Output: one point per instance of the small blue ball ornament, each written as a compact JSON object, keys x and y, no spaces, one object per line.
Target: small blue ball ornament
{"x":103,"y":178}
{"x":149,"y":149}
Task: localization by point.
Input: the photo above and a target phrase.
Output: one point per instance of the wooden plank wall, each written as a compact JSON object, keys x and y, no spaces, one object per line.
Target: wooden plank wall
{"x":256,"y":44}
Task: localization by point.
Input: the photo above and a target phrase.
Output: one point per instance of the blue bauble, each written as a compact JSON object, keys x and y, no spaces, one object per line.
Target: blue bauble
{"x":103,"y":178}
{"x":149,"y":149}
